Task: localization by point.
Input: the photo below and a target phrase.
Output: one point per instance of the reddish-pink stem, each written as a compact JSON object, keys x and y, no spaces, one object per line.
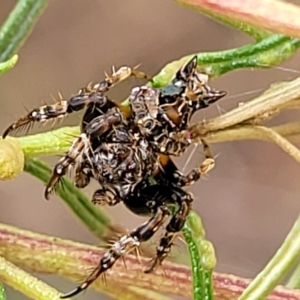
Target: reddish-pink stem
{"x":274,"y":15}
{"x":44,"y":254}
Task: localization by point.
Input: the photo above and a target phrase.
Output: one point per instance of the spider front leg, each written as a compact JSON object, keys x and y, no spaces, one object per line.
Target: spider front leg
{"x":81,"y":148}
{"x":58,"y":110}
{"x":126,"y":244}
{"x":91,"y":96}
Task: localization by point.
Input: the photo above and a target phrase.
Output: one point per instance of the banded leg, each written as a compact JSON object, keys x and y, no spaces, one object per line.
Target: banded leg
{"x":101,"y":124}
{"x":81,"y":147}
{"x":83,"y":175}
{"x":170,"y":175}
{"x":58,"y":110}
{"x":126,"y":244}
{"x":176,"y":223}
{"x":104,"y":86}
{"x":105,"y":196}
{"x":194,"y":175}
{"x":117,"y":76}
{"x":90,"y":96}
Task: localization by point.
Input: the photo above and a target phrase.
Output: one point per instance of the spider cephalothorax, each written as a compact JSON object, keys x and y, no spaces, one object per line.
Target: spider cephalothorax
{"x":124,"y":147}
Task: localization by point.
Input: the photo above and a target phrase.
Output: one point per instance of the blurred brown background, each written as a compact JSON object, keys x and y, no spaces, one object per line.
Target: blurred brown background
{"x":250,"y":199}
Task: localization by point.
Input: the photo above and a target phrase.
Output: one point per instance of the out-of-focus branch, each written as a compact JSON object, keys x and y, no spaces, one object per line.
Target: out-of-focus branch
{"x":19,"y":25}
{"x":274,"y":15}
{"x":277,"y":268}
{"x":2,"y":292}
{"x":9,"y":64}
{"x":25,"y":283}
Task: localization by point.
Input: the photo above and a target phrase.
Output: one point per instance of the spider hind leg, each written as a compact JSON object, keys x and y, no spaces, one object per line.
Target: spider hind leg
{"x":125,"y":244}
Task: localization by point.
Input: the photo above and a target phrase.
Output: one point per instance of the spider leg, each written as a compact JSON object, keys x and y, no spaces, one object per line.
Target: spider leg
{"x":169,"y":191}
{"x":126,"y":243}
{"x":91,"y":96}
{"x":182,"y":180}
{"x":79,"y":147}
{"x":83,"y":175}
{"x":184,"y":200}
{"x":117,"y":76}
{"x":106,"y":196}
{"x":58,"y":110}
{"x":169,"y":174}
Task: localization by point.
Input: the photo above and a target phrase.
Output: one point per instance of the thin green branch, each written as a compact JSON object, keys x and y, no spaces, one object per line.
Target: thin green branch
{"x":19,"y":25}
{"x":264,"y":54}
{"x":202,"y":257}
{"x":9,"y":64}
{"x":247,"y":132}
{"x":294,"y":280}
{"x":11,"y":159}
{"x":2,"y":292}
{"x":49,"y":143}
{"x":277,"y":268}
{"x":98,"y":222}
{"x":25,"y":283}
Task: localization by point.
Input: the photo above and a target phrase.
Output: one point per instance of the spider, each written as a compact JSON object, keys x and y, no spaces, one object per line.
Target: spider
{"x":123,"y":147}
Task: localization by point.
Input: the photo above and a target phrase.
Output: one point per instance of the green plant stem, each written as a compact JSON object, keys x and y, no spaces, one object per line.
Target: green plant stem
{"x":25,"y":283}
{"x":263,"y":54}
{"x":19,"y":25}
{"x":9,"y":64}
{"x":201,"y":259}
{"x":294,"y":280}
{"x":11,"y":159}
{"x":94,"y":218}
{"x":49,"y":143}
{"x":2,"y":292}
{"x":285,"y":258}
